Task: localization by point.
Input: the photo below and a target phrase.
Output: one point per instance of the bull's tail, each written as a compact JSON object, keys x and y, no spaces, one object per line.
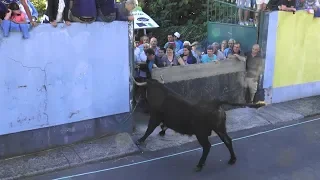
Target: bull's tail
{"x":250,"y":105}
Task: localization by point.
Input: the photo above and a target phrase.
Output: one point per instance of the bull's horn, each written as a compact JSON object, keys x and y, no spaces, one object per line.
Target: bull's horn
{"x":137,"y":83}
{"x":162,"y":80}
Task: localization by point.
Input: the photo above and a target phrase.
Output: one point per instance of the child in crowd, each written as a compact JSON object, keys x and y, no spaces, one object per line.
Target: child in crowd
{"x":15,"y":15}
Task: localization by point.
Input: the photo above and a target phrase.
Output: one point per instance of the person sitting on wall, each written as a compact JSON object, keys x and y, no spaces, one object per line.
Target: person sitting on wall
{"x":58,"y":10}
{"x":316,"y":11}
{"x":106,"y":10}
{"x":84,"y":11}
{"x":123,"y":10}
{"x":287,"y":5}
{"x":25,"y":8}
{"x":312,"y":7}
{"x":15,"y":18}
{"x":282,"y":5}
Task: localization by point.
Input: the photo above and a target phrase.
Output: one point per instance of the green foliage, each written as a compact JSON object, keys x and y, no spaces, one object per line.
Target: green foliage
{"x":40,"y":5}
{"x":188,"y":17}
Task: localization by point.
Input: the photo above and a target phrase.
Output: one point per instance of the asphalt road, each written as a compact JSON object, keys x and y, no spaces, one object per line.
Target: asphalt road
{"x":290,"y":152}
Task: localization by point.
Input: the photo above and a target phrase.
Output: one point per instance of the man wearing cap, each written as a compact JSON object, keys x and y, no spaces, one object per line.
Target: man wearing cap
{"x":178,"y":41}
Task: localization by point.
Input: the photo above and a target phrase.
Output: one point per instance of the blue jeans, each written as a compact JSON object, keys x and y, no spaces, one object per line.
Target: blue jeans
{"x":8,"y":26}
{"x":317,"y":13}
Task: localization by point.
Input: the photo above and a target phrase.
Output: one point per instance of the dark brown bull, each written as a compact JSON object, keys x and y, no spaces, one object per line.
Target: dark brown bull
{"x":187,"y":118}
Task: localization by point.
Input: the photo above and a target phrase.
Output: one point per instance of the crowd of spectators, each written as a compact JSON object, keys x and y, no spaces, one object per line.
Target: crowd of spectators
{"x":148,"y":55}
{"x":21,"y":15}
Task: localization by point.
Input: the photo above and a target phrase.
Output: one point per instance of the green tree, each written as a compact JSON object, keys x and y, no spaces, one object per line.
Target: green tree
{"x":188,"y":17}
{"x":40,"y":5}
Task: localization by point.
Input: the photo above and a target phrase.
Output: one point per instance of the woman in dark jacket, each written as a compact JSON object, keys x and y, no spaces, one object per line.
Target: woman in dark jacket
{"x":57,"y":11}
{"x":187,"y":57}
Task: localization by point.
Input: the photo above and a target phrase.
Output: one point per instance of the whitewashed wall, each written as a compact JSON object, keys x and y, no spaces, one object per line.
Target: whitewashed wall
{"x":63,"y":75}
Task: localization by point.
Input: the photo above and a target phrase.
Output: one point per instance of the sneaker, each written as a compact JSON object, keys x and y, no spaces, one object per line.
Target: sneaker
{"x":241,"y":23}
{"x":246,"y":23}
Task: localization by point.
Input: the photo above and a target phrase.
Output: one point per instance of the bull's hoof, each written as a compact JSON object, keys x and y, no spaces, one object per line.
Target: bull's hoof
{"x":162,"y":133}
{"x":198,"y":168}
{"x":139,"y":142}
{"x":232,"y":161}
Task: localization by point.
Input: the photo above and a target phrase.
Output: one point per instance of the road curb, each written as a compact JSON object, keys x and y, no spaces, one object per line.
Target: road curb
{"x":16,"y":171}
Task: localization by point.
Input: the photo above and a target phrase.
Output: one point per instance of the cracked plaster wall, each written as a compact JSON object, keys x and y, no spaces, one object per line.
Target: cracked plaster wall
{"x":63,"y":75}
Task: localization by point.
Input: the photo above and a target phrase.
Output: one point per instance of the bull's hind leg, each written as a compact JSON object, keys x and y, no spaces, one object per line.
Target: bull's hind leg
{"x":228,"y":142}
{"x":204,"y":142}
{"x":153,"y":123}
{"x":163,"y":130}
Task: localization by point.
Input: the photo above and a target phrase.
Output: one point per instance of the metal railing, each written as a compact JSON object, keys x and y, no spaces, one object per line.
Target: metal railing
{"x":225,"y":12}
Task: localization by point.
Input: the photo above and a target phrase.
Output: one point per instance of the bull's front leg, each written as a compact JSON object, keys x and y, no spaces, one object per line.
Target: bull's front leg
{"x":206,"y":146}
{"x":153,"y":123}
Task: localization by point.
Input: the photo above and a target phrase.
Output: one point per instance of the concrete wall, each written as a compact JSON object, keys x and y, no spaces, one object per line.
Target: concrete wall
{"x":292,"y":59}
{"x":206,"y":81}
{"x":63,"y":85}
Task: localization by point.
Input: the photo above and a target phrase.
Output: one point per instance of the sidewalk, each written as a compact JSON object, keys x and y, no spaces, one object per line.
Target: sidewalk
{"x":123,"y":144}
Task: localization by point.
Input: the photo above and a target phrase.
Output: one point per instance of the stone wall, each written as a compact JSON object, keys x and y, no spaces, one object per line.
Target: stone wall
{"x":222,"y":81}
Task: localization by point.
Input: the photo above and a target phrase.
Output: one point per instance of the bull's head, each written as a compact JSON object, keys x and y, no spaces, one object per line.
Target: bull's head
{"x":156,"y":92}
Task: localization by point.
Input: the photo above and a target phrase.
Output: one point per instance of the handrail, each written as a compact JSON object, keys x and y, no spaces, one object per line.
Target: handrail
{"x":220,"y":11}
{"x":233,"y":5}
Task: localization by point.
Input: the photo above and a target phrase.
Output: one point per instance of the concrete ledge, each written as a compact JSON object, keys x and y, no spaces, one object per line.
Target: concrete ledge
{"x":50,"y":137}
{"x":180,"y":73}
{"x":298,"y":91}
{"x":66,"y":157}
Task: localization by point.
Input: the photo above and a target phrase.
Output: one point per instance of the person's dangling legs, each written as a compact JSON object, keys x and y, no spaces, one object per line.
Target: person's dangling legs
{"x":24,"y":28}
{"x":5,"y":24}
